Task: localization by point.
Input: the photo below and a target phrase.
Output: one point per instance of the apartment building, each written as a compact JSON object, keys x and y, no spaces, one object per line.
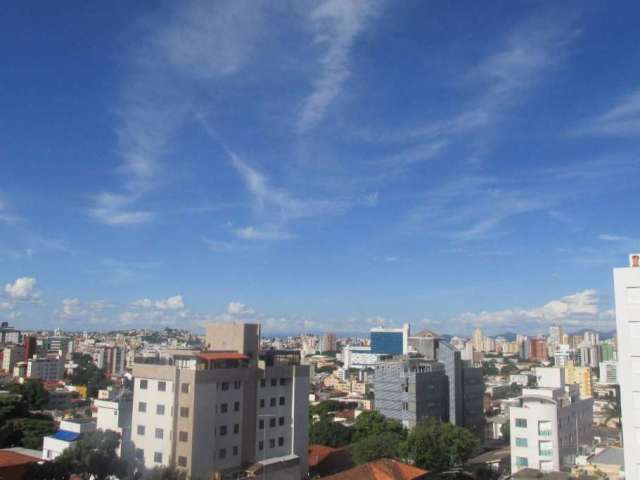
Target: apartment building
{"x":549,"y":424}
{"x":223,"y":410}
{"x":10,"y":356}
{"x":411,"y":389}
{"x":609,"y":373}
{"x":113,"y":412}
{"x":627,"y":298}
{"x":47,"y":368}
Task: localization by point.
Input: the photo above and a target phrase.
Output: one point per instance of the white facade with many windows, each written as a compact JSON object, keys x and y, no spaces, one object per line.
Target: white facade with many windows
{"x":550,"y":424}
{"x":627,"y":295}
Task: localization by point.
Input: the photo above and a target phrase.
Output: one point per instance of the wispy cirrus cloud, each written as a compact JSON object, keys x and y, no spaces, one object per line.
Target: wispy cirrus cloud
{"x":201,"y":41}
{"x":607,"y":237}
{"x":336,"y":24}
{"x":622,"y":119}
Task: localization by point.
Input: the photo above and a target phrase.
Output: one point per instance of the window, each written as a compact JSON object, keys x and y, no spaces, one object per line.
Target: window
{"x":274,"y":382}
{"x":159,"y":433}
{"x":139,"y":454}
{"x":223,"y":430}
{"x":280,"y":441}
{"x":521,"y":422}
{"x":236,"y":428}
{"x":261,"y":424}
{"x":222,"y":453}
{"x":272,"y":422}
{"x":281,"y":421}
{"x":224,"y":386}
{"x":184,"y":388}
{"x":262,"y":403}
{"x":183,"y":436}
{"x":405,"y":405}
{"x":237,"y":384}
{"x":140,"y":429}
{"x":521,"y":442}
{"x":260,"y":445}
{"x":273,"y":401}
{"x":160,"y":409}
{"x":157,"y":457}
{"x":184,"y":412}
{"x":223,"y":408}
{"x":143,"y":384}
{"x":182,"y":461}
{"x":262,"y":382}
{"x":235,"y":450}
{"x":142,"y":407}
{"x":272,"y":443}
{"x":283,"y":382}
{"x":522,"y":461}
{"x":282,"y":400}
{"x":236,"y":406}
{"x":162,"y":386}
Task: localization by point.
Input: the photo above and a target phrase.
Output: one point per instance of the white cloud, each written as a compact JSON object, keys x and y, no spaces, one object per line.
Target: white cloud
{"x":336,"y":23}
{"x":253,"y":233}
{"x":22,"y":288}
{"x":612,"y":238}
{"x":580,"y":309}
{"x":172,"y":303}
{"x":200,"y":41}
{"x":620,"y":120}
{"x":237,"y":308}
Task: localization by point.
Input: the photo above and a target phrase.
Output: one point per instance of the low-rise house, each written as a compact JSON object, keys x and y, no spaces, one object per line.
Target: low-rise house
{"x":383,"y":469}
{"x":68,"y":434}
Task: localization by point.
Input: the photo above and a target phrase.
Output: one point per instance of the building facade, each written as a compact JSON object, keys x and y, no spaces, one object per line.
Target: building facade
{"x":627,"y":301}
{"x":223,"y":410}
{"x":410,"y":389}
{"x":549,"y":424}
{"x":390,"y":341}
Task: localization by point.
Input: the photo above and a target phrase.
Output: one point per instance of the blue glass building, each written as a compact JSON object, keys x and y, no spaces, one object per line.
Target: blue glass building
{"x":390,"y":341}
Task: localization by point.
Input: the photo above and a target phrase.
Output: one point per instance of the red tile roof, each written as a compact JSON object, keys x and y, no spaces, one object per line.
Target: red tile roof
{"x":383,"y":469}
{"x":318,"y":453}
{"x":13,"y":459}
{"x":222,"y":356}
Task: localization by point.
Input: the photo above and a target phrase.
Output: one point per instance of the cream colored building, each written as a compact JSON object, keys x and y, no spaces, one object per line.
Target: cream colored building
{"x":224,"y":410}
{"x":580,"y":375}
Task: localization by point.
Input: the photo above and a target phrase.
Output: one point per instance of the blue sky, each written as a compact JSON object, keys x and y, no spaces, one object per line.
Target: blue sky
{"x":317,"y":165}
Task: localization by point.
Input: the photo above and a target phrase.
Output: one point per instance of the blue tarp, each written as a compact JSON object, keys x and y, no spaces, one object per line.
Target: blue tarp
{"x":66,"y":435}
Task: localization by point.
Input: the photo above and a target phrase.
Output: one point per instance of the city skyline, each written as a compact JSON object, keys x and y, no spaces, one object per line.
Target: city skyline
{"x":317,"y":166}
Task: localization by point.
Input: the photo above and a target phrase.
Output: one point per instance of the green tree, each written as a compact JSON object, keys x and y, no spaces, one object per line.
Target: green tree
{"x":489,"y":368}
{"x":87,"y":373}
{"x":508,"y":369}
{"x":12,"y":406}
{"x":94,"y":457}
{"x":324,"y":408}
{"x":612,"y":409}
{"x":383,"y":445}
{"x":373,"y":423}
{"x":30,"y":432}
{"x":437,"y":446}
{"x":165,"y":473}
{"x":35,"y":396}
{"x":327,"y":432}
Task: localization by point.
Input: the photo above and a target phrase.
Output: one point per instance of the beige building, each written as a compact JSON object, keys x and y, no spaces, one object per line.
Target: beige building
{"x":580,"y":375}
{"x":224,"y":410}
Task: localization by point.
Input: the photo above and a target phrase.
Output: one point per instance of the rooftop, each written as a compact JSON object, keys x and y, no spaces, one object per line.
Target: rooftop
{"x":609,"y":456}
{"x":9,"y":458}
{"x":383,"y":469}
{"x":214,"y":356}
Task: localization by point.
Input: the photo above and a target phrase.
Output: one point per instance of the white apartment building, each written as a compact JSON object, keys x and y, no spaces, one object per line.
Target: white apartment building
{"x":113,"y":412}
{"x":627,"y":297}
{"x":359,"y":357}
{"x":550,"y":424}
{"x":49,"y":368}
{"x":609,"y":372}
{"x":224,"y":410}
